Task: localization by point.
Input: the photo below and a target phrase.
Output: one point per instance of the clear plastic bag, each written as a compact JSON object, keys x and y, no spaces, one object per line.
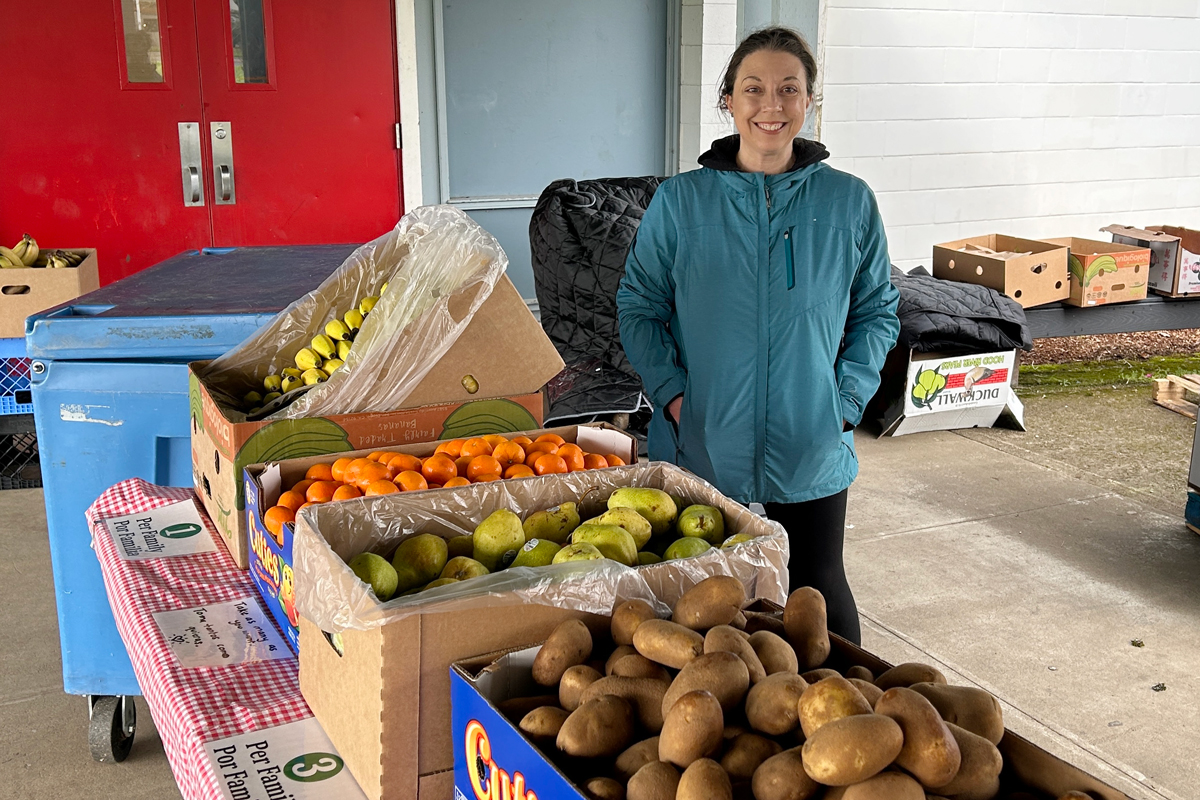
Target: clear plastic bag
{"x":329,"y":534}
{"x":440,"y":267}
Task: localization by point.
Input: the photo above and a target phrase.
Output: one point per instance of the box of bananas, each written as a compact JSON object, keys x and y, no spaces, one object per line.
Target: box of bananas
{"x":34,"y":278}
{"x":419,"y":335}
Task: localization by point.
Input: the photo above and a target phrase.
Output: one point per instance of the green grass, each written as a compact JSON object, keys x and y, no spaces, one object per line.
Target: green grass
{"x":1041,"y":378}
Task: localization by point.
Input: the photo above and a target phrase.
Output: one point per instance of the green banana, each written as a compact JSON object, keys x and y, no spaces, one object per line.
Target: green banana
{"x":252,"y":399}
{"x":27,"y":249}
{"x":354,"y":319}
{"x":314,"y":375}
{"x":307,"y":359}
{"x":11,"y":257}
{"x":56,"y":261}
{"x":344,"y":350}
{"x":269,"y":396}
{"x":5,"y":263}
{"x":272,"y":383}
{"x":324,"y":346}
{"x":367,"y":303}
{"x":332,"y":365}
{"x":337,"y":330}
{"x":291,"y":382}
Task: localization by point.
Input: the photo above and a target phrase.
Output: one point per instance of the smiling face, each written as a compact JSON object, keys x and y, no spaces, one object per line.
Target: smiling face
{"x":768,"y":104}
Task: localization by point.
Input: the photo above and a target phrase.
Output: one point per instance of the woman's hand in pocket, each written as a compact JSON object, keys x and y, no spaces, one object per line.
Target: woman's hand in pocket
{"x":673,"y":408}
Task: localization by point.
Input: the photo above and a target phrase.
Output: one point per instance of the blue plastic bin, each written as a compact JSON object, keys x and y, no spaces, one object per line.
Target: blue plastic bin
{"x":110,"y":401}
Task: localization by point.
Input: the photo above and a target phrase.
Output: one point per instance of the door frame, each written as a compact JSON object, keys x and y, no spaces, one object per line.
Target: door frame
{"x":421,"y":57}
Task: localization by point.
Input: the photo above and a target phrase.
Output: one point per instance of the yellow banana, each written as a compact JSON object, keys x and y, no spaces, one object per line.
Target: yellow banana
{"x":354,"y":319}
{"x":332,"y":365}
{"x":306,"y":359}
{"x":324,"y":346}
{"x":336,"y":330}
{"x":252,"y":399}
{"x":269,"y":396}
{"x":272,"y":383}
{"x":291,"y":382}
{"x":344,"y":350}
{"x":290,"y":372}
{"x":6,"y":264}
{"x":366,"y":304}
{"x":8,"y":255}
{"x":31,"y":250}
{"x":383,"y":288}
{"x":314,"y":375}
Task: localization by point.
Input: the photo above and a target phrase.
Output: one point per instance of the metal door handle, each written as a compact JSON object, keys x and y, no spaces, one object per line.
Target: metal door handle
{"x":194,"y":180}
{"x":224,"y":175}
{"x":190,"y":163}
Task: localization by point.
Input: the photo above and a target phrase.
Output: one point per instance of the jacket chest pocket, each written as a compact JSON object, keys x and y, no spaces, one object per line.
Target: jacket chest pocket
{"x":815,"y":269}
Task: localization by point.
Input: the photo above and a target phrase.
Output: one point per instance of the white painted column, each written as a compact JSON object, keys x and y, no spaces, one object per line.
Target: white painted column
{"x":708,"y":37}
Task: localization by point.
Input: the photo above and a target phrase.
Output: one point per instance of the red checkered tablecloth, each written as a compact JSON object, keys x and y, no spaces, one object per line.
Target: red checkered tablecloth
{"x":198,"y":705}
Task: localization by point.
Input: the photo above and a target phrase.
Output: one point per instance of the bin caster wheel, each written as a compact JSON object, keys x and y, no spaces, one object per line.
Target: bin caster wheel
{"x":111,"y":724}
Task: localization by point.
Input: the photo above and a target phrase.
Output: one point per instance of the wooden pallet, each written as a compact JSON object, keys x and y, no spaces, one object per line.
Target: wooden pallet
{"x":1173,"y":393}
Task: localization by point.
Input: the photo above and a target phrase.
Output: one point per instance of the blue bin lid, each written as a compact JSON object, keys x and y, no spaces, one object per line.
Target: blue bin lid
{"x":196,"y":305}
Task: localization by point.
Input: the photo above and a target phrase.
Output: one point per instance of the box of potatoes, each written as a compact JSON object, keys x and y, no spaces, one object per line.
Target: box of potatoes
{"x":376,"y":673}
{"x":722,"y":701}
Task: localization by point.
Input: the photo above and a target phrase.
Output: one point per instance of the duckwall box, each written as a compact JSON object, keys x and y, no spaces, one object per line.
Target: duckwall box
{"x":490,"y":751}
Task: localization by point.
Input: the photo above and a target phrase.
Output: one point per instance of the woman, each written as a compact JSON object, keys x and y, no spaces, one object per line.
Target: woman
{"x":758,"y":309}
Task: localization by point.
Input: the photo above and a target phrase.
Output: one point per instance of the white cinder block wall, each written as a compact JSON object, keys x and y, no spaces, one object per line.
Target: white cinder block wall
{"x":708,"y":37}
{"x":1029,"y":117}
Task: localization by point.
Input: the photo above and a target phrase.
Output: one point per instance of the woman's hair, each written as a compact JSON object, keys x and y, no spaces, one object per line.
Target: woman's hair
{"x":783,"y":40}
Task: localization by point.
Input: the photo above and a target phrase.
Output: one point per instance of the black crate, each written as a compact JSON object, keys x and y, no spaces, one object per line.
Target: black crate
{"x":19,"y":466}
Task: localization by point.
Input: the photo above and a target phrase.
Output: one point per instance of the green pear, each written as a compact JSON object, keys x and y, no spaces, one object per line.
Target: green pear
{"x":461,"y":546}
{"x":441,"y":582}
{"x":553,"y":524}
{"x":577,"y":551}
{"x":706,"y":522}
{"x":686,"y":547}
{"x":419,"y":559}
{"x":536,"y":553}
{"x":461,"y":568}
{"x":376,"y":572}
{"x":637,"y":525}
{"x":612,"y":541}
{"x":496,"y":537}
{"x":653,"y":504}
{"x":735,"y":540}
{"x":646,"y":557}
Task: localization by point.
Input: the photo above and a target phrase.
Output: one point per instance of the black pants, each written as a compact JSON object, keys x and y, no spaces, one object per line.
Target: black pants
{"x":816,"y":530}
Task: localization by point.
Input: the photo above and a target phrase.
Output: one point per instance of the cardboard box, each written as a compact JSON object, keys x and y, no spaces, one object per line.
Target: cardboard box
{"x":943,"y":392}
{"x":1031,"y":280}
{"x":1174,"y":256}
{"x":1102,"y":273}
{"x":27,"y":291}
{"x":490,"y":750}
{"x":383,"y":695}
{"x":270,"y":558}
{"x":503,"y":348}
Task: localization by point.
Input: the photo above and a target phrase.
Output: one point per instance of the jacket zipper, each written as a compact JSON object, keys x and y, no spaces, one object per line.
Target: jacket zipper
{"x":787,"y":255}
{"x":768,"y":190}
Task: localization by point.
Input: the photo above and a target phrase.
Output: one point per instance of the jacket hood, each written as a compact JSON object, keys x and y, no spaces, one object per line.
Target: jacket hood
{"x":723,"y":154}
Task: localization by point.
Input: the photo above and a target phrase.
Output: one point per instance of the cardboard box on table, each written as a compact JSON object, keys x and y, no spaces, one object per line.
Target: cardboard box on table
{"x":483,"y":734}
{"x":270,"y":557}
{"x":1102,"y":273}
{"x":27,"y":291}
{"x":944,"y":392}
{"x":503,"y":348}
{"x":380,"y":683}
{"x":1031,"y":280}
{"x":1174,"y":256}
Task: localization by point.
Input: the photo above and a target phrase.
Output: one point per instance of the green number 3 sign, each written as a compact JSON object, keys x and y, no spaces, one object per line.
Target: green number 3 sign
{"x":312,"y":767}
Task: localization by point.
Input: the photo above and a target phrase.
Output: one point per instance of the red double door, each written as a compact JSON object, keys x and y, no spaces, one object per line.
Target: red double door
{"x":148,"y":127}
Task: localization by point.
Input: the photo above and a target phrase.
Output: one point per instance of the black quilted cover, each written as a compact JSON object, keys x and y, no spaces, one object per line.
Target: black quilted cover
{"x":579,"y":236}
{"x":938,"y":315}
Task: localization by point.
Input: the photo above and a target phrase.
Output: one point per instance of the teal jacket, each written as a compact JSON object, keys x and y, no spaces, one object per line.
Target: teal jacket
{"x":766,"y":301}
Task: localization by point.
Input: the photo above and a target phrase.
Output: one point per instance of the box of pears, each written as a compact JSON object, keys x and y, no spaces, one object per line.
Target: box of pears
{"x":485,"y":567}
{"x":488,"y":381}
{"x":274,"y":490}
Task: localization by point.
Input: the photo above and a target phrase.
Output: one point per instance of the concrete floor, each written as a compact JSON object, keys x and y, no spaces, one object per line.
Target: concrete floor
{"x":1024,"y":562}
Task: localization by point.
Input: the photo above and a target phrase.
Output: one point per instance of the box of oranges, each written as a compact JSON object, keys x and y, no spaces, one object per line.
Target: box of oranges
{"x":276,"y":491}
